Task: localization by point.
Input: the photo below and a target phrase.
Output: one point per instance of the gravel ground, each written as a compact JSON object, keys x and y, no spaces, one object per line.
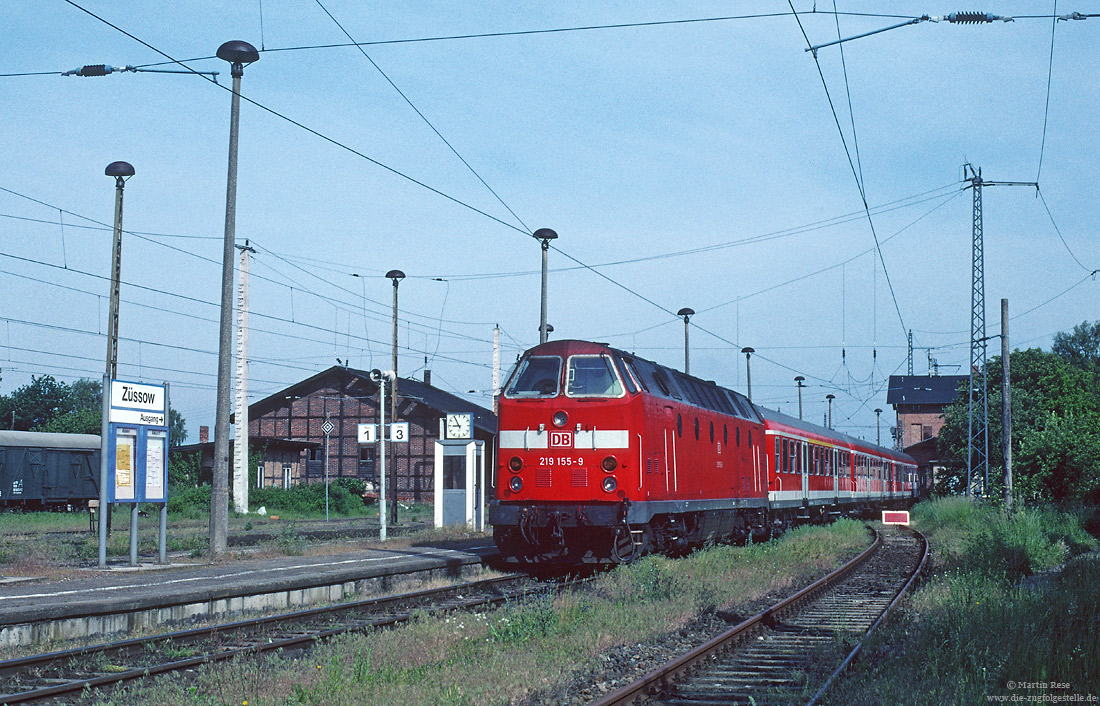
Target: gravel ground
{"x":626,"y":663}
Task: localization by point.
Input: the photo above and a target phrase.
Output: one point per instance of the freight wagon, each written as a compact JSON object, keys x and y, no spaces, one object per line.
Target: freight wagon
{"x":48,"y":471}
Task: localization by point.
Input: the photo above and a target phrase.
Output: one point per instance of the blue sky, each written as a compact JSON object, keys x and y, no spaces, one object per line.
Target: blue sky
{"x":710,"y":142}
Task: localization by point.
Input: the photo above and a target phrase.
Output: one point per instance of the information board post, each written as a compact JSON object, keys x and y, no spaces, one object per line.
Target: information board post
{"x":104,"y":461}
{"x":162,"y":536}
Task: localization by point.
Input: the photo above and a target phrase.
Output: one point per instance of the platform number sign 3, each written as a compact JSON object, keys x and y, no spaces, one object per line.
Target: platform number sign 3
{"x":399,"y":432}
{"x":327,"y":427}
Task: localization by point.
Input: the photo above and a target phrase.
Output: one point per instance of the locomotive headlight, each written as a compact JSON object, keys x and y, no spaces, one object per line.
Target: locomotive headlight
{"x":560,"y":419}
{"x":609,"y":484}
{"x":515,"y":464}
{"x":609,"y":464}
{"x":516,"y":484}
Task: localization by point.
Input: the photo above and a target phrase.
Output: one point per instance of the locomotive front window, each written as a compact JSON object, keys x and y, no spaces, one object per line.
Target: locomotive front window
{"x":592,"y":376}
{"x":536,"y":376}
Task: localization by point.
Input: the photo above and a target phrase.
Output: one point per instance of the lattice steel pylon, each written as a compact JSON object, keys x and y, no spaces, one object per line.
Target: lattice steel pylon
{"x":977,"y":448}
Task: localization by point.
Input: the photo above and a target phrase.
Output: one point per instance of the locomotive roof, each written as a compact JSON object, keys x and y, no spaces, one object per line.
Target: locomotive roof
{"x":48,"y":440}
{"x":568,"y":345}
{"x":772,"y":415}
{"x":678,"y":385}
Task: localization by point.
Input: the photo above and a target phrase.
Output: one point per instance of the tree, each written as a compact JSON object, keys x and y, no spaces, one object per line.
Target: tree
{"x":177,"y":428}
{"x":1055,"y":423}
{"x":1080,"y":348}
{"x":51,"y":406}
{"x":37,"y":402}
{"x":77,"y":421}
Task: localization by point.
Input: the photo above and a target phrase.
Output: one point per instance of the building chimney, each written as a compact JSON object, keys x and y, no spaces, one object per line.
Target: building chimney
{"x":427,"y":377}
{"x":204,"y":435}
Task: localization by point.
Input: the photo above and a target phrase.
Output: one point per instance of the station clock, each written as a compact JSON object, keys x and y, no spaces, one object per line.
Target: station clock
{"x":459,"y":426}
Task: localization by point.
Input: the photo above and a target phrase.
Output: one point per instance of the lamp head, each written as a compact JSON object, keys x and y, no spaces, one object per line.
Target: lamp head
{"x":686,"y":312}
{"x":119,"y":169}
{"x":396,"y":276}
{"x":238,"y":52}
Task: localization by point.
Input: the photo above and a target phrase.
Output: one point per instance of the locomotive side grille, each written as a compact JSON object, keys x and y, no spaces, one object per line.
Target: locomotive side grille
{"x":542,"y":478}
{"x":580,"y":478}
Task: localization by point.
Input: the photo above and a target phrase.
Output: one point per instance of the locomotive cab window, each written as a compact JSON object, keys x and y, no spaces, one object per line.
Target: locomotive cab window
{"x":536,"y":376}
{"x":592,"y":376}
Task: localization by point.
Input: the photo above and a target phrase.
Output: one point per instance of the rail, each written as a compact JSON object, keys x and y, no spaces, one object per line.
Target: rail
{"x":484,"y":592}
{"x":662,"y":678}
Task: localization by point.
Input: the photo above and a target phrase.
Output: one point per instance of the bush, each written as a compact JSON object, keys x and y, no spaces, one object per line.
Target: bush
{"x":978,"y":537}
{"x":189,"y":502}
{"x":306,"y":499}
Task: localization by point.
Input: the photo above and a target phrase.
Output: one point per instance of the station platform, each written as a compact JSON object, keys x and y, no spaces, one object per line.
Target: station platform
{"x":123,"y":599}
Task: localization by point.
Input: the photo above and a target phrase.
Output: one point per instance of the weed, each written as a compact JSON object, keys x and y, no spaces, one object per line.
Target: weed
{"x":289,"y":541}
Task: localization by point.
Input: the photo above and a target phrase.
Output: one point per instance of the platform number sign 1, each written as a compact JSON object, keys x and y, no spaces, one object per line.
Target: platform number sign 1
{"x":327,"y":427}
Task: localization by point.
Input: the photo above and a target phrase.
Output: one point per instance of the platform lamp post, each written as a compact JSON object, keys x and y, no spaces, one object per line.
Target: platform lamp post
{"x":878,"y":426}
{"x":830,"y":397}
{"x":121,"y":171}
{"x":544,"y":235}
{"x":800,"y":380}
{"x":687,"y":313}
{"x":748,"y":370}
{"x":396,"y":276}
{"x":238,"y":53}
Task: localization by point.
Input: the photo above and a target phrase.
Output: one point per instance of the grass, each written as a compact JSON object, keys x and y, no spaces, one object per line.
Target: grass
{"x":538,"y":643}
{"x":996,"y":612}
{"x":53,"y":543}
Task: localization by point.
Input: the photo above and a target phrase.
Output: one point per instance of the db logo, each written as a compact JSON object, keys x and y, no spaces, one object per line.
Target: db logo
{"x":561,"y":439}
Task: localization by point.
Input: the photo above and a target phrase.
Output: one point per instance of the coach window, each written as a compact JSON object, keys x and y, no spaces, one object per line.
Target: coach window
{"x":536,"y":376}
{"x":592,"y":376}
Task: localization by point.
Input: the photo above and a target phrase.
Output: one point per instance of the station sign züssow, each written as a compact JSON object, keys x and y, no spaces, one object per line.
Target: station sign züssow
{"x":136,"y":403}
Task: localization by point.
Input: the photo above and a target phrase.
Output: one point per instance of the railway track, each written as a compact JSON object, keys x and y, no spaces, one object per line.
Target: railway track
{"x":791,"y":652}
{"x":49,"y":677}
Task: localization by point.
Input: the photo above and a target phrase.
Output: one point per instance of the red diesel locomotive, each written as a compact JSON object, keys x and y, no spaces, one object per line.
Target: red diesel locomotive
{"x":604,"y":456}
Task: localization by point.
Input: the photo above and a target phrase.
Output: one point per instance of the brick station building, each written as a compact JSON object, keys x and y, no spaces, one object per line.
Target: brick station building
{"x":286,"y":429}
{"x":918,"y":401}
{"x":347,"y":397}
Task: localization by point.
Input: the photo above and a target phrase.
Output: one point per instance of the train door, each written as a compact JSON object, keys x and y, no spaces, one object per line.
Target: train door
{"x":804,"y":466}
{"x":834,"y":472}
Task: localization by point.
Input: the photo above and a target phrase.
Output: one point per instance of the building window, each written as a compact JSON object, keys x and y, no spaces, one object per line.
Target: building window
{"x":454,"y":473}
{"x":366,"y":462}
{"x":926,"y":432}
{"x":287,"y":471}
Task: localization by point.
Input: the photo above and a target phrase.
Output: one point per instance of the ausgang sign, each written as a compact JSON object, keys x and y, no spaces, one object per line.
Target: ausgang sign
{"x":136,"y":403}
